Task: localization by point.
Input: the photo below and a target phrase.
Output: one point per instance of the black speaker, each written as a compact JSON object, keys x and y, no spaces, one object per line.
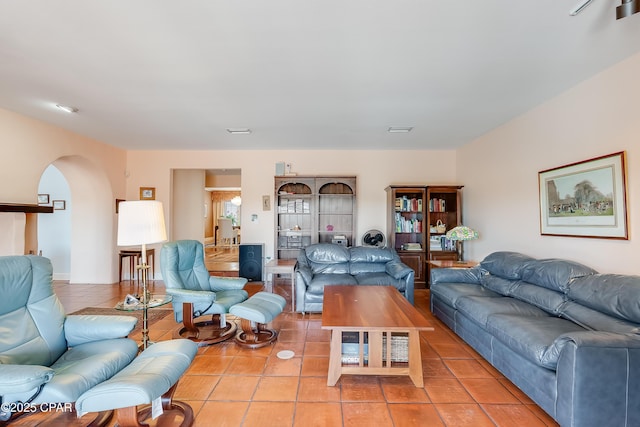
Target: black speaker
{"x":251,"y":261}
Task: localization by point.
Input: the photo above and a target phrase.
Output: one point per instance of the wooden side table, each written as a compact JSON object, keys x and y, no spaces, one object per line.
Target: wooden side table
{"x":282,"y":266}
{"x":452,"y":264}
{"x":133,"y":255}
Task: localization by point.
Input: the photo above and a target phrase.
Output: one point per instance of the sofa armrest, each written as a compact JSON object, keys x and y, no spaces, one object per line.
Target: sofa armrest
{"x":15,"y":379}
{"x":303,"y":274}
{"x":84,"y":328}
{"x":598,"y":380}
{"x":400,"y":271}
{"x":456,"y":275}
{"x":397,"y":269}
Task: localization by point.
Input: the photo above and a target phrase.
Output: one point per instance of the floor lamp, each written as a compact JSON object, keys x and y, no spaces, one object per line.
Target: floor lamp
{"x":459,"y":234}
{"x":141,"y":222}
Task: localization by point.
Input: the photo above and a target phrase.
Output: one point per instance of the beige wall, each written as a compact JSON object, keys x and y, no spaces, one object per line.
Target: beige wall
{"x":187,"y":208}
{"x":375,"y":171}
{"x":96,"y":175}
{"x":500,"y":170}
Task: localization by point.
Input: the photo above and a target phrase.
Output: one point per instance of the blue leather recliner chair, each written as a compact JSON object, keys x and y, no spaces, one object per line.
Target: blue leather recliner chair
{"x":47,"y":357}
{"x":196,"y":293}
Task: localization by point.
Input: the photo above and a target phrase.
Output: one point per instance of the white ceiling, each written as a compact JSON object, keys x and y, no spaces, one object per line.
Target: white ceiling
{"x":334,"y":74}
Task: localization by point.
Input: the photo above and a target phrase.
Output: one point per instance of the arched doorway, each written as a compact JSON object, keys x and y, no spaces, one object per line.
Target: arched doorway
{"x":54,"y":230}
{"x":91,"y":204}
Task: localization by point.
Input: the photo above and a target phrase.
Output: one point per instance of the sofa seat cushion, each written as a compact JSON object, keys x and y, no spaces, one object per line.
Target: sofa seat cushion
{"x":538,"y":339}
{"x":450,"y":292}
{"x":379,"y":279}
{"x":479,"y":309}
{"x":327,"y":279}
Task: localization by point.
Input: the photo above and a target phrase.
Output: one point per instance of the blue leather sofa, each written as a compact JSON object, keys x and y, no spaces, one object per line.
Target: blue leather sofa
{"x":564,"y":334}
{"x":326,"y":264}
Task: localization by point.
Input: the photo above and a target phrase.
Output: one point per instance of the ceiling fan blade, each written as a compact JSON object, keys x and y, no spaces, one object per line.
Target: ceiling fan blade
{"x":580,"y":7}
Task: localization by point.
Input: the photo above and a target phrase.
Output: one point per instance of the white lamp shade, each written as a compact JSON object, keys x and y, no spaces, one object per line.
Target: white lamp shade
{"x":141,"y":222}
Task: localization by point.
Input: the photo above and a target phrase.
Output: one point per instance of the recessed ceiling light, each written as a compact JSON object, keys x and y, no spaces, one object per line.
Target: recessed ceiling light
{"x":239,"y":131}
{"x":67,"y":109}
{"x":396,"y":129}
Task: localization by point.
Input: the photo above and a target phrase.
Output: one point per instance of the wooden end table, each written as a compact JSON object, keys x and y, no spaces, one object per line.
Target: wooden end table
{"x":379,"y":311}
{"x":452,"y":264}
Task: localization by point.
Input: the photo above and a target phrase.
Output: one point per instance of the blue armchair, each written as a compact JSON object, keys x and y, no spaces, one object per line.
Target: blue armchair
{"x":196,"y":293}
{"x":49,"y":358}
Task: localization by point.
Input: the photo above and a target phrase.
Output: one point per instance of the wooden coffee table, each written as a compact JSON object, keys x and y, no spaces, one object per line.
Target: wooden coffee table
{"x":378,"y":311}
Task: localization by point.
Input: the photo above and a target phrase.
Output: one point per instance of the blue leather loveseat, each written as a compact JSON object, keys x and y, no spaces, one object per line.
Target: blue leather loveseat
{"x":564,"y":334}
{"x":326,"y":264}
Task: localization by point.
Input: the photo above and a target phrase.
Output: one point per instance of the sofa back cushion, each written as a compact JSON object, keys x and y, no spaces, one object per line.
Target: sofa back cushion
{"x":594,"y":320}
{"x":613,"y":294}
{"x":368,"y":254}
{"x":546,"y":299}
{"x":497,"y":284}
{"x":508,"y":265}
{"x":554,"y":274}
{"x":369,"y":260}
{"x":328,"y":258}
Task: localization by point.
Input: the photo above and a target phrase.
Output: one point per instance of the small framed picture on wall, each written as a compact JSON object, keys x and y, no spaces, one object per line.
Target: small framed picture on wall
{"x":147,"y":193}
{"x":59,"y":205}
{"x":43,"y":199}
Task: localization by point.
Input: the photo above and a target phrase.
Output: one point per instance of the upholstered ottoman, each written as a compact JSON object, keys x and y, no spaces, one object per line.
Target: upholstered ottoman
{"x":254,"y":315}
{"x":152,"y":374}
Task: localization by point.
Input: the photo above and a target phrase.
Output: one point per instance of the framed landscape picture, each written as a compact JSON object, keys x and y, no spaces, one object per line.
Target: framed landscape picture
{"x":585,"y":199}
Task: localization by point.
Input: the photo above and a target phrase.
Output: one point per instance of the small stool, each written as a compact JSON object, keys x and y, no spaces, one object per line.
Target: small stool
{"x":154,"y":373}
{"x":254,"y":315}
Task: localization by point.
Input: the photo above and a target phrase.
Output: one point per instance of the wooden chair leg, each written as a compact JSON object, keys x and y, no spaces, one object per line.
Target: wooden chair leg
{"x":247,"y":328}
{"x":187,"y":318}
{"x":204,"y":333}
{"x":255,"y":336}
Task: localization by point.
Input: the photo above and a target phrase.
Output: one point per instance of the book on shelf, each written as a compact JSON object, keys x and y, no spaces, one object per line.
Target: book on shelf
{"x":437,"y":205}
{"x":405,"y":204}
{"x":412,"y":247}
{"x":408,"y":225}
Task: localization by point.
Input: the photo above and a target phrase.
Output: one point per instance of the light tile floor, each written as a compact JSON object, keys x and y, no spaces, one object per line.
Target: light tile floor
{"x":230,"y":386}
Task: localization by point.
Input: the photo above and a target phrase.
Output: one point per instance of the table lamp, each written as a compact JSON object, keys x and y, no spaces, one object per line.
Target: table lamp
{"x":141,"y":222}
{"x":459,"y":234}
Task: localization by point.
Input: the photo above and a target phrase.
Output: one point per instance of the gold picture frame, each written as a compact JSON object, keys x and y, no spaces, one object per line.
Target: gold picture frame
{"x":585,"y":199}
{"x":147,"y":193}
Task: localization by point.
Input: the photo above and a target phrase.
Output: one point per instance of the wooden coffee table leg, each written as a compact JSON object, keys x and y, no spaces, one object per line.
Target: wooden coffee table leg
{"x":335,"y":358}
{"x":415,"y":359}
{"x":375,"y":349}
